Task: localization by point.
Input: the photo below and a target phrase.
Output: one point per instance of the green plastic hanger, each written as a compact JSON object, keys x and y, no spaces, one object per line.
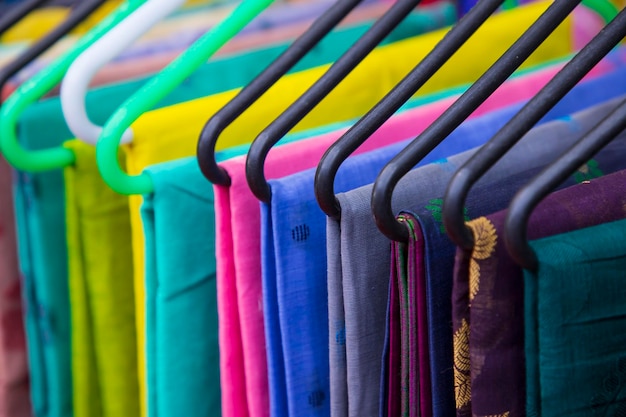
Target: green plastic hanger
{"x":156,"y":89}
{"x":38,"y":86}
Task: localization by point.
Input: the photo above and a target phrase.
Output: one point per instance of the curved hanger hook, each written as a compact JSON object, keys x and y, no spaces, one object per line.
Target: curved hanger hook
{"x":156,"y":89}
{"x":525,"y":201}
{"x":18,"y":12}
{"x":350,"y":141}
{"x":519,"y":125}
{"x":35,"y":88}
{"x":457,"y":113}
{"x":76,"y":82}
{"x":78,"y":14}
{"x":251,"y":93}
{"x":261,"y":146}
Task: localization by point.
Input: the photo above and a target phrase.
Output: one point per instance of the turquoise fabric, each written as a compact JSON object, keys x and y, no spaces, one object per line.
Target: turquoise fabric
{"x":576,"y":323}
{"x":40,"y":197}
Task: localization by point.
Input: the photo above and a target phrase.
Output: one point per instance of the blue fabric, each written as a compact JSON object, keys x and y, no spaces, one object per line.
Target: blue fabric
{"x":300,"y":267}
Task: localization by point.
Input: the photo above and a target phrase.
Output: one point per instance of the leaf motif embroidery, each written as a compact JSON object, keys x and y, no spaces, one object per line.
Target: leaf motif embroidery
{"x":498,"y":415}
{"x":462,"y":379}
{"x":485,"y":240}
{"x":588,"y":172}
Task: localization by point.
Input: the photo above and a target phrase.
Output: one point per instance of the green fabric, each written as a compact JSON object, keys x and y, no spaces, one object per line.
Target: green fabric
{"x":103,"y":305}
{"x":40,"y":208}
{"x":576,"y":323}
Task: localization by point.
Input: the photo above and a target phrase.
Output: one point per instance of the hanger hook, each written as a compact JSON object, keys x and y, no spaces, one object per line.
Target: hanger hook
{"x":263,"y":82}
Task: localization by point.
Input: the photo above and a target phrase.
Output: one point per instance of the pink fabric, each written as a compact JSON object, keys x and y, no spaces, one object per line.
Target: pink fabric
{"x":238,"y":239}
{"x":14,"y":385}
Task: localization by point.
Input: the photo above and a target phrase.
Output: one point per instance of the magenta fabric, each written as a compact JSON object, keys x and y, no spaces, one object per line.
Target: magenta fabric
{"x":408,"y":288}
{"x":14,"y":380}
{"x":242,"y":335}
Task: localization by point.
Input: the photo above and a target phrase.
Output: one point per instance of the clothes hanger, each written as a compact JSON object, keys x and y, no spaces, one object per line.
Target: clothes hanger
{"x":459,"y":111}
{"x":38,"y":86}
{"x":78,"y":14}
{"x":152,"y":92}
{"x":316,"y":93}
{"x":76,"y":81}
{"x":401,"y":93}
{"x":519,"y":125}
{"x":257,"y":87}
{"x":525,"y":201}
{"x":18,"y":12}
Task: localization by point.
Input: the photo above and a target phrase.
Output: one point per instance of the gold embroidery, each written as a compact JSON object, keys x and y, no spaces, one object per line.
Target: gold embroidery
{"x":462,"y":387}
{"x":485,"y":239}
{"x":497,"y":415}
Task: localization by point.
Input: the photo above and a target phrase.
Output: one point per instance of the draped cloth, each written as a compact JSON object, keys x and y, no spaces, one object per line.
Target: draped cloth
{"x":575,"y":321}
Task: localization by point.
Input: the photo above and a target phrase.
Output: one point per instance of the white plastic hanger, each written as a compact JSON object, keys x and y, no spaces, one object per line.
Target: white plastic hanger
{"x":81,"y":72}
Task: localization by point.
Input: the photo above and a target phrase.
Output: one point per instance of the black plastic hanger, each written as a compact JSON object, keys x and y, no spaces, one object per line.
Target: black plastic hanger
{"x":315,"y":94}
{"x":77,"y":16}
{"x":401,"y":93}
{"x":519,"y":125}
{"x":257,"y":87}
{"x":17,"y":13}
{"x":459,"y":111}
{"x":525,"y":201}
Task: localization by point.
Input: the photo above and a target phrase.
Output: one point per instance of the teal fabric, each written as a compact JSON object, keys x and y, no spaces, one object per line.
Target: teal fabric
{"x":576,"y":323}
{"x":40,"y":197}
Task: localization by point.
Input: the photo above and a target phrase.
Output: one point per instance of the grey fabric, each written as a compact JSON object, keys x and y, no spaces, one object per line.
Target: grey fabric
{"x":365,"y":253}
{"x":336,"y":325}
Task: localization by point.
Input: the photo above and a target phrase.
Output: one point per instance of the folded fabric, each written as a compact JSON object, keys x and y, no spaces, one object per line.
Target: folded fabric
{"x":365,"y":275}
{"x":574,"y":314}
{"x":488,"y":289}
{"x":409,"y":393}
{"x":104,"y":340}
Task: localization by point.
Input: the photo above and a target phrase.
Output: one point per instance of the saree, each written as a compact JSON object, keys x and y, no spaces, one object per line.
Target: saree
{"x":574,"y":314}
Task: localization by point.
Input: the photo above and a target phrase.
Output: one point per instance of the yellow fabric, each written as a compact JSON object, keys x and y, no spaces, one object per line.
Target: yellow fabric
{"x":172,"y":132}
{"x":104,"y":361}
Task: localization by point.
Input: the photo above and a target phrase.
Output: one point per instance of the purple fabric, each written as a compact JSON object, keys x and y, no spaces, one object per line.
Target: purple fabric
{"x":490,"y":286}
{"x":394,"y":378}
